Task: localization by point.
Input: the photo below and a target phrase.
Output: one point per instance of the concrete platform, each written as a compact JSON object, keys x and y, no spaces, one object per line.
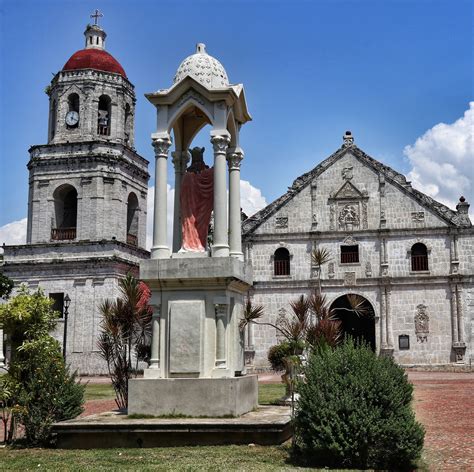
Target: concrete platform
{"x":267,"y":425}
{"x":233,"y":396}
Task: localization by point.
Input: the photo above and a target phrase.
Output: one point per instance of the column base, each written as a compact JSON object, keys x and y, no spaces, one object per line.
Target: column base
{"x":237,"y":255}
{"x":459,"y":349}
{"x":220,"y":250}
{"x":153,"y":372}
{"x":160,"y":252}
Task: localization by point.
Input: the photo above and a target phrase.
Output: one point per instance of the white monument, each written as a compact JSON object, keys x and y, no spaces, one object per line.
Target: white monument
{"x":197,"y":359}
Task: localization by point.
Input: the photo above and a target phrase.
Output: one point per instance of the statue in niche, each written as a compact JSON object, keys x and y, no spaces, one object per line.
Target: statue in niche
{"x":422,"y":323}
{"x":349,"y":217}
{"x":197,"y":190}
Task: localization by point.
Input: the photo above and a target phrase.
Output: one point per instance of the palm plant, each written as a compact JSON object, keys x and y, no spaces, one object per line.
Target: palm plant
{"x":319,"y":257}
{"x":125,"y":330}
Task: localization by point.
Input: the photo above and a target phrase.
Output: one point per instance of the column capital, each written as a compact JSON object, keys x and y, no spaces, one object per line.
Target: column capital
{"x":220,"y":143}
{"x":234,"y":158}
{"x":220,"y":309}
{"x":180,"y":161}
{"x":161,"y":146}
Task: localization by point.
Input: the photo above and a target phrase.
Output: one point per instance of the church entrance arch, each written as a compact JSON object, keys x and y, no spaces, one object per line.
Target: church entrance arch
{"x":361,"y":327}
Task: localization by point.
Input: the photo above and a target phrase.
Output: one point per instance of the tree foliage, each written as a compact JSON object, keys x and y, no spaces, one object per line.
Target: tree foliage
{"x":38,"y":388}
{"x":27,"y":316}
{"x":355,"y":410}
{"x":6,"y":286}
{"x":125,"y":334}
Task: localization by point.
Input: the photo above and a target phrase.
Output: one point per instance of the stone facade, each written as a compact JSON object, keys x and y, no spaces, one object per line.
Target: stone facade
{"x":352,"y":200}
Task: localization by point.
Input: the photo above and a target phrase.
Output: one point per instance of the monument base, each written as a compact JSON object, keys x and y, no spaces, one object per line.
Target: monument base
{"x":193,"y":396}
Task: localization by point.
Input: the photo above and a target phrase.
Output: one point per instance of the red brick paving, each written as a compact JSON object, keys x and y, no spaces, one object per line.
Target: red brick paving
{"x":444,"y":404}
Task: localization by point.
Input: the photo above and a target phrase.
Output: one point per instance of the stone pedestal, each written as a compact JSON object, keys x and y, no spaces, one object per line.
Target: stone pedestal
{"x":193,"y":397}
{"x":197,"y":305}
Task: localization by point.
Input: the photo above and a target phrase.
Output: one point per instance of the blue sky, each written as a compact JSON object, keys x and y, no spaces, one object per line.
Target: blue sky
{"x":387,"y":70}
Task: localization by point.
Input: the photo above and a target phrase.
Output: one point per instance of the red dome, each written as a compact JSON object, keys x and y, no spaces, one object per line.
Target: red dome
{"x":94,"y":59}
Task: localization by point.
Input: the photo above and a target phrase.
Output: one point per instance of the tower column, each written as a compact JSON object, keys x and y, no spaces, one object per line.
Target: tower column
{"x":180,"y":161}
{"x":160,"y":249}
{"x":220,"y":246}
{"x":235,"y":226}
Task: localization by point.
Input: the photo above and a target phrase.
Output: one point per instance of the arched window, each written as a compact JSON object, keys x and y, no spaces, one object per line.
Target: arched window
{"x":104,"y":116}
{"x":281,"y":261}
{"x":132,"y":220}
{"x":419,"y":257}
{"x":73,"y":102}
{"x":65,"y":210}
{"x":53,"y":118}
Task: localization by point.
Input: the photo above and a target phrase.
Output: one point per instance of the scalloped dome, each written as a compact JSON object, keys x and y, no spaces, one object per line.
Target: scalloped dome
{"x":94,"y":59}
{"x":203,"y":68}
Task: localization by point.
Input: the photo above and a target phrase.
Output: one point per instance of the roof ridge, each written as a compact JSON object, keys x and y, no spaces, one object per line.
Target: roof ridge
{"x":446,"y":213}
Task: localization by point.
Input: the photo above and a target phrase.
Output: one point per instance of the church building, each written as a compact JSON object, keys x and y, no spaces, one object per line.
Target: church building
{"x":408,"y":256}
{"x":87,"y":198}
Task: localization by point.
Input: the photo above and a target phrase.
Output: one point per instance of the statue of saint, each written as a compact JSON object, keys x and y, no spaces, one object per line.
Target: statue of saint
{"x":197,"y":192}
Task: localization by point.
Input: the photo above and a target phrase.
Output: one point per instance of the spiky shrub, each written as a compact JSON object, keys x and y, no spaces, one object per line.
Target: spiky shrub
{"x":355,"y":411}
{"x":125,"y":334}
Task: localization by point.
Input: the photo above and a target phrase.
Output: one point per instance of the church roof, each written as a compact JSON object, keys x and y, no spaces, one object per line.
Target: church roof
{"x":391,"y":176}
{"x":92,"y":58}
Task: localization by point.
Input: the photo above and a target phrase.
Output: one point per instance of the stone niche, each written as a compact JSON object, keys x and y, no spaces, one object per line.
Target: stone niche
{"x":197,"y":366}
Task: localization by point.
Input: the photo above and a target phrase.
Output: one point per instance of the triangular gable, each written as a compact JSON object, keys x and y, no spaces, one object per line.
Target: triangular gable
{"x":348,"y":190}
{"x":391,"y":176}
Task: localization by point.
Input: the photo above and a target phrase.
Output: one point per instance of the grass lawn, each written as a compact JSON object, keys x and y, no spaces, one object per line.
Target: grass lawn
{"x":267,"y":393}
{"x":242,"y":458}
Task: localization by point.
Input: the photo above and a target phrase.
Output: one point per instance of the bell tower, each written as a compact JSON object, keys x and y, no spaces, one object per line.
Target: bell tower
{"x":87,"y":198}
{"x":88,"y":183}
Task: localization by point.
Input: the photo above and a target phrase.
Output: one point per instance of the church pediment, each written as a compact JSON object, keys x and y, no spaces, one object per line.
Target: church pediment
{"x":348,"y":191}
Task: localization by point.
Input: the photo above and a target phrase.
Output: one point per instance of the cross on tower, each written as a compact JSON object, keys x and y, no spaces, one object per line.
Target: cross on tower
{"x":97,"y":14}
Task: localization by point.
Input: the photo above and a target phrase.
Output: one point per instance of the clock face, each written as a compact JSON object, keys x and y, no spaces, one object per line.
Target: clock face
{"x":72,"y":118}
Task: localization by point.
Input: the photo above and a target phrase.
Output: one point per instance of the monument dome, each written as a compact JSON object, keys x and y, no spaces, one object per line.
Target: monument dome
{"x":204,"y":68}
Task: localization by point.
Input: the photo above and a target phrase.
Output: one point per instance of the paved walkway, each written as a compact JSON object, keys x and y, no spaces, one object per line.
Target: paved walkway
{"x":444,"y":404}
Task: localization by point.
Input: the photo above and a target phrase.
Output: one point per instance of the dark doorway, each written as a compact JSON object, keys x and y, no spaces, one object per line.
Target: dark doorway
{"x":361,"y":327}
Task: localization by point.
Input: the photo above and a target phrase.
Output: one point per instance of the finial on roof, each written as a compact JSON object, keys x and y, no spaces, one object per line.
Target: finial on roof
{"x":347,"y":139}
{"x":97,"y":14}
{"x":201,"y":48}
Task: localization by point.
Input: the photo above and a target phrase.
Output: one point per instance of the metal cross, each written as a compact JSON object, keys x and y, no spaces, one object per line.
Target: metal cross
{"x":96,"y":17}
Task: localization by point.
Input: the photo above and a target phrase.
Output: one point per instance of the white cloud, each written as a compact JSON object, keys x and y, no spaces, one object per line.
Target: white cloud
{"x":442,"y":160}
{"x":251,"y":199}
{"x":13,"y":233}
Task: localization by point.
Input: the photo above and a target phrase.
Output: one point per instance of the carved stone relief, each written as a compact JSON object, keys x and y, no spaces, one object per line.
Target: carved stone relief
{"x":331,"y":270}
{"x":349,"y":241}
{"x":365,"y":222}
{"x":332,"y":217}
{"x":418,"y":216}
{"x":349,"y":278}
{"x":280,"y":319}
{"x":422,"y":323}
{"x":368,"y":269}
{"x":281,"y":222}
{"x":348,"y":217}
{"x":346,"y":173}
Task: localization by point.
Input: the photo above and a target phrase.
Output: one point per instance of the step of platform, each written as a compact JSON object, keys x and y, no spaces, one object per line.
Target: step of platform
{"x":267,"y":425}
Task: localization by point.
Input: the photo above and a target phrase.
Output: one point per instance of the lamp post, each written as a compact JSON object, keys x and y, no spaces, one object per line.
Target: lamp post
{"x":67,"y":302}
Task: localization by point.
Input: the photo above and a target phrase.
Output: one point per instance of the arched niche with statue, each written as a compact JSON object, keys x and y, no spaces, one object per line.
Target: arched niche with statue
{"x":197,"y":288}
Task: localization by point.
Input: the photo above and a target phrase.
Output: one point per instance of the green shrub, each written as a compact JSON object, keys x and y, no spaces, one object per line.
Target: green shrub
{"x":278,"y":352}
{"x":355,"y":411}
{"x":45,"y":390}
